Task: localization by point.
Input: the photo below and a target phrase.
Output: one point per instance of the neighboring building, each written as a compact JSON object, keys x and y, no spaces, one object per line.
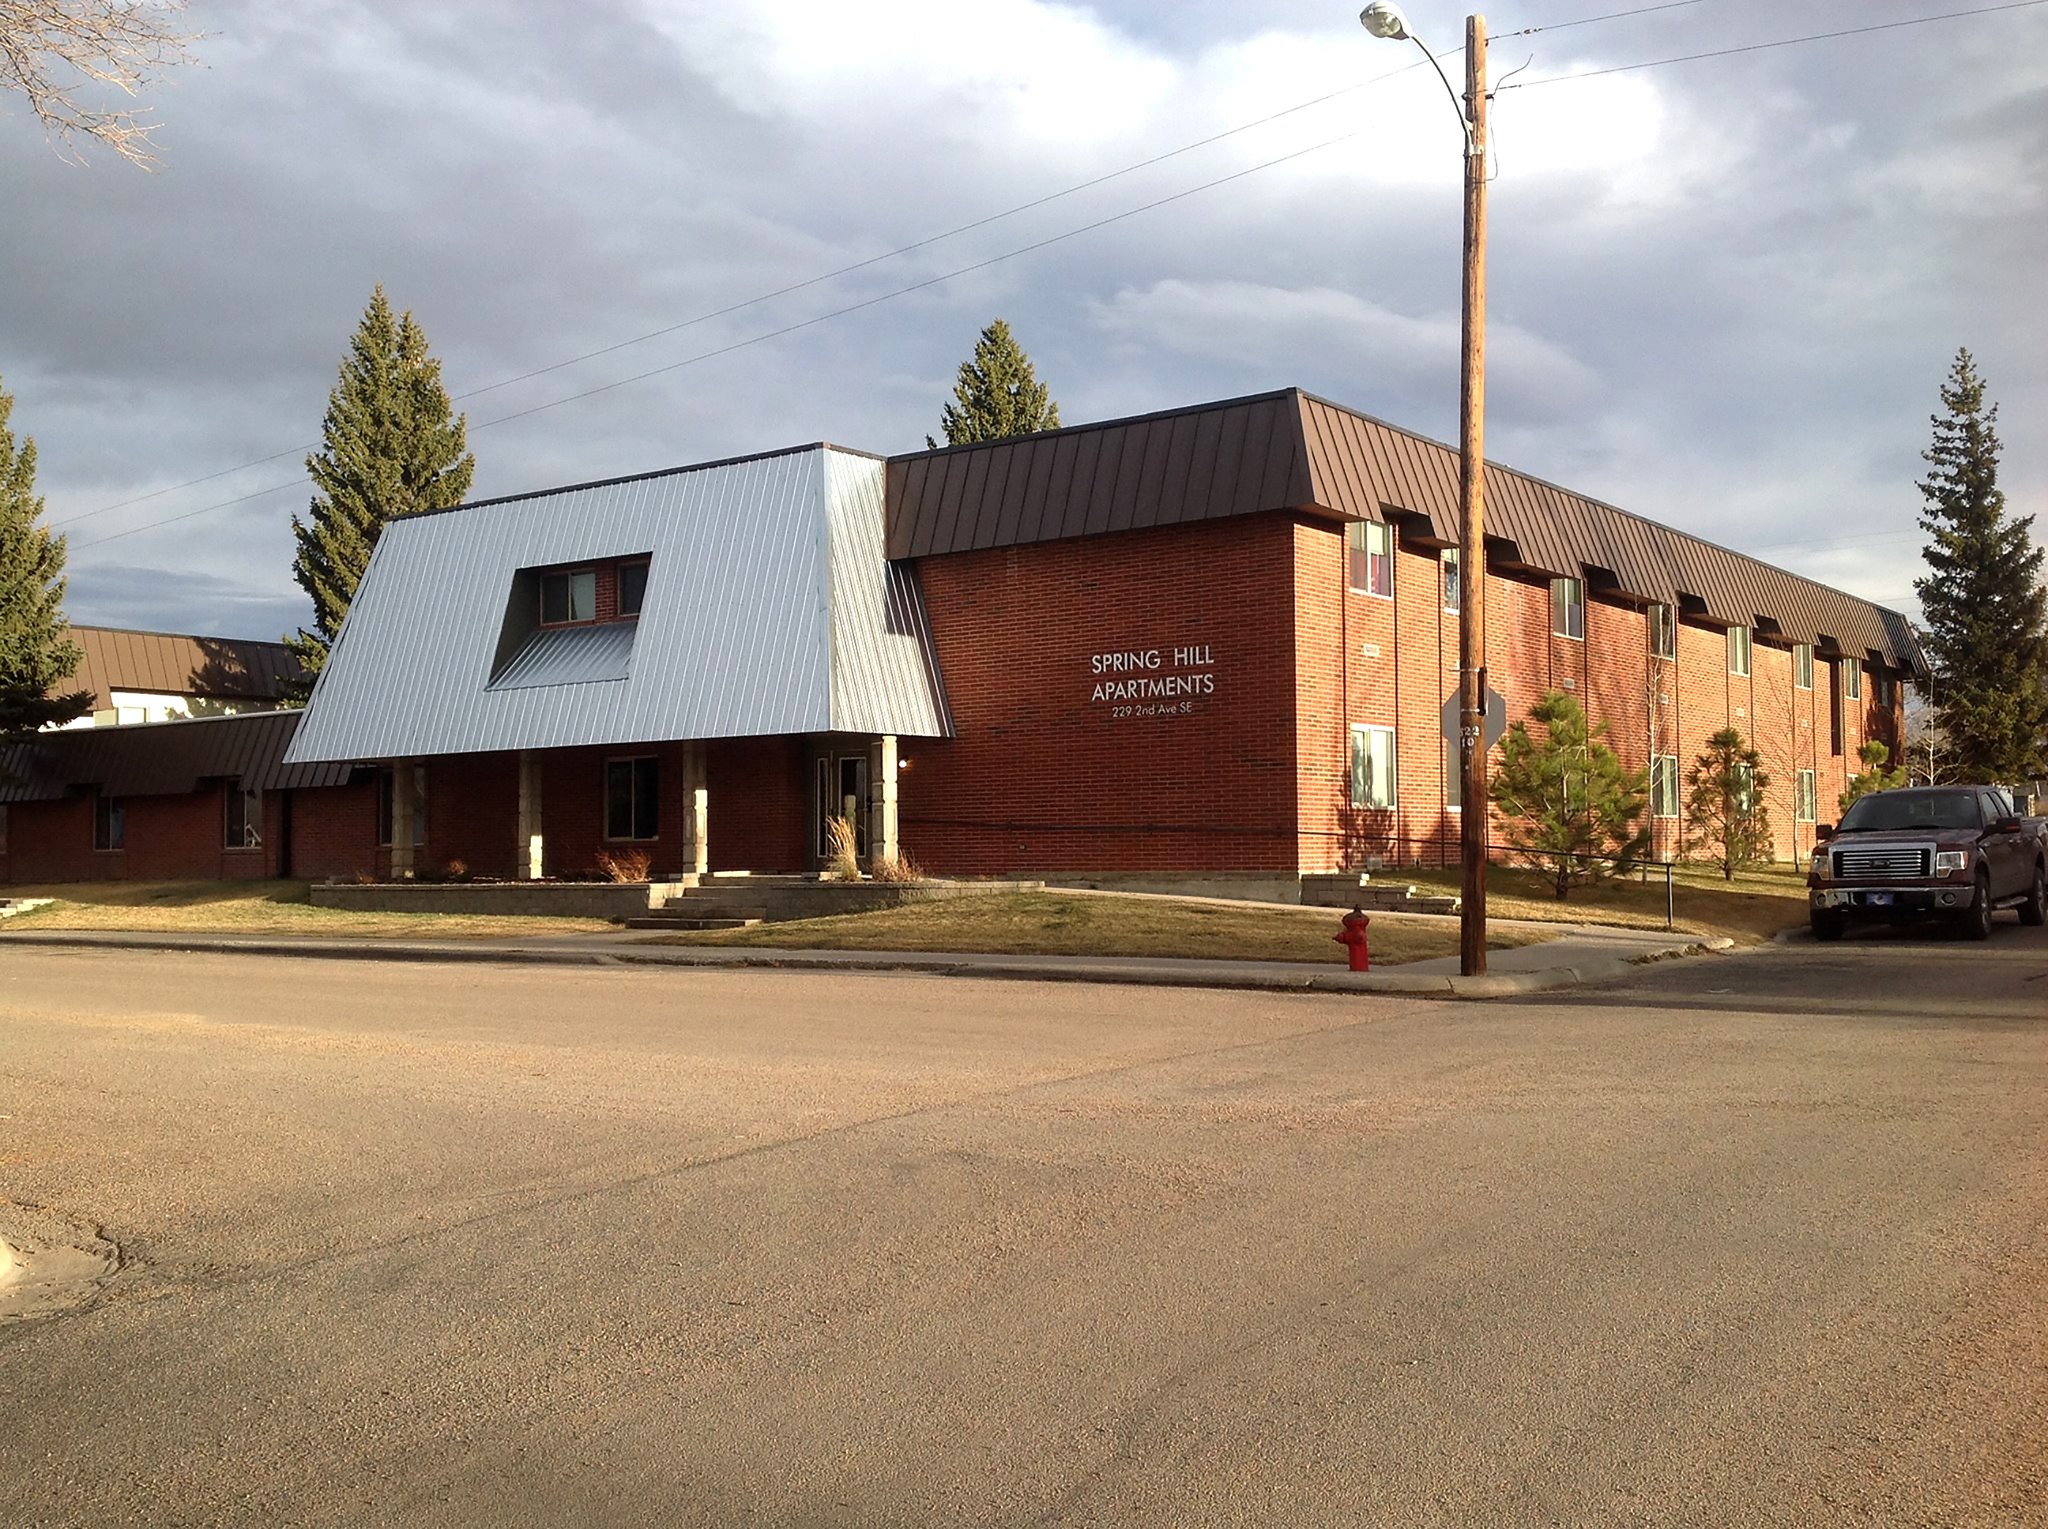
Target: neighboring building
{"x":1216,"y":638}
{"x":166,"y":676}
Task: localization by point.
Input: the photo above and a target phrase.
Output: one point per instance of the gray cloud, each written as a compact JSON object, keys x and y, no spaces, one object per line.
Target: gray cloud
{"x":1723,"y":293}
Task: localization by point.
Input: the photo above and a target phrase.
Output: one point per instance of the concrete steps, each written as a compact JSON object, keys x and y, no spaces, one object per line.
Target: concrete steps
{"x":694,"y":914}
{"x":1350,"y":889}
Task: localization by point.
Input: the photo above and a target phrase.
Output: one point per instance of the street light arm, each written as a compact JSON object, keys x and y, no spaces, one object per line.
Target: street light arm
{"x":1457,"y":101}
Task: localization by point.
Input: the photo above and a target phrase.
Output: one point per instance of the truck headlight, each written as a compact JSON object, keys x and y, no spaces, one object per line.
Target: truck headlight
{"x":1947,"y":860}
{"x":1820,"y":863}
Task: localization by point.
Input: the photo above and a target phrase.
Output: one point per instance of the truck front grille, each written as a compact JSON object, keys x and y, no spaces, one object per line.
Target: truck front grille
{"x":1879,"y":864}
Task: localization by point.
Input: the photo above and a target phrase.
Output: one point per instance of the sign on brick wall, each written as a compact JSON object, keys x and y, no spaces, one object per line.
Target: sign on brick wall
{"x":1153,"y":682}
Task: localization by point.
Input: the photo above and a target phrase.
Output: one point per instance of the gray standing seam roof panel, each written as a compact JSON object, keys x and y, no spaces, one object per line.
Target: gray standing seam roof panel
{"x":744,"y":631}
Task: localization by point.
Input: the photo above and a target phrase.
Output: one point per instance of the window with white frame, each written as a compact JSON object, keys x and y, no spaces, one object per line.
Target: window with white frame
{"x":1568,"y":608}
{"x":1371,"y":561}
{"x":1452,"y":594}
{"x":1664,"y":786}
{"x":1745,"y":786}
{"x":1802,"y":665}
{"x":1808,"y":798}
{"x":1372,"y":766}
{"x":1663,"y":632}
{"x":243,"y":828}
{"x":632,"y":798}
{"x":1738,"y":650}
{"x":570,"y":595}
{"x":1852,"y":678}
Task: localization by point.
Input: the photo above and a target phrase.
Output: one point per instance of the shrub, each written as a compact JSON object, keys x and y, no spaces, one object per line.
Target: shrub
{"x":456,"y":870}
{"x":626,"y":865}
{"x":842,"y":850}
{"x":1730,"y":826}
{"x":898,"y":868}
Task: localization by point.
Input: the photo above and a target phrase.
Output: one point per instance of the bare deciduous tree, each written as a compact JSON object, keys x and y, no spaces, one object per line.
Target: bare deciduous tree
{"x":55,"y":52}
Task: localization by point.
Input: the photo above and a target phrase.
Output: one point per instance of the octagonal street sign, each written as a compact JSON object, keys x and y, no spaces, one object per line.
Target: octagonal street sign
{"x":1496,"y":717}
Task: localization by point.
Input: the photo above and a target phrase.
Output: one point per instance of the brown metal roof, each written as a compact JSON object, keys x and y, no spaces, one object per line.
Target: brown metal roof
{"x":171,"y":663}
{"x":1293,"y":451}
{"x":160,"y":758}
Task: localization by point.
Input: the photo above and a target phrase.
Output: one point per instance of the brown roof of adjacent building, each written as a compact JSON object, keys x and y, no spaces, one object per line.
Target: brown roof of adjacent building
{"x":172,"y":663}
{"x":1293,"y":451}
{"x":160,"y":758}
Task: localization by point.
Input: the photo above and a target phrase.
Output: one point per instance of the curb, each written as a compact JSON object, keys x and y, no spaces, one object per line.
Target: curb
{"x":1493,"y":985}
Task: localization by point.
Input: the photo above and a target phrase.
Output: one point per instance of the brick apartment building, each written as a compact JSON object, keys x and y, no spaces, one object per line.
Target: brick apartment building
{"x":1216,"y":638}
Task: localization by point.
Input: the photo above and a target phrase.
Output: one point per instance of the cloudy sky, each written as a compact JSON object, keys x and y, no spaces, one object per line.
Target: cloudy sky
{"x":1723,"y":292}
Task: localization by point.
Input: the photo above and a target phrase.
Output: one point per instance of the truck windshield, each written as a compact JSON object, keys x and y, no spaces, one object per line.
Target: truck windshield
{"x":1911,"y":809}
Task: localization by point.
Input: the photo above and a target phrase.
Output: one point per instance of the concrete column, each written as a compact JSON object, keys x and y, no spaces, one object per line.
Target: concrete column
{"x":882,"y":810}
{"x":402,"y":777}
{"x":697,"y":805}
{"x":528,"y":849}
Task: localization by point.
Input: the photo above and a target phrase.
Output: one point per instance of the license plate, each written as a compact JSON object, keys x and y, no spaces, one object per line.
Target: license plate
{"x":1878,"y":899}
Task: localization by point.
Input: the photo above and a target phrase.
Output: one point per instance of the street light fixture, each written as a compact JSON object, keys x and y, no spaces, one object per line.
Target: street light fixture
{"x":1385,"y":19}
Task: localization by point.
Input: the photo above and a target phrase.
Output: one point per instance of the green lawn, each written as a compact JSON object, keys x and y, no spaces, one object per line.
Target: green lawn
{"x":254,"y":907}
{"x":1082,"y":924}
{"x":1752,"y":908}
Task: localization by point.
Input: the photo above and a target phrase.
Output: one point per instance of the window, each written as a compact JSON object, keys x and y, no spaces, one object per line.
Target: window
{"x":1664,"y":786}
{"x":1451,"y":591}
{"x":1372,"y":766}
{"x":632,"y":798}
{"x":568,"y":596}
{"x":1884,"y":690}
{"x":1738,"y":650}
{"x":109,"y":826}
{"x":244,"y":828}
{"x":1371,"y":544}
{"x":632,"y":588}
{"x":1745,"y":786}
{"x":1663,"y":632}
{"x":1852,"y":678}
{"x":386,"y":782}
{"x":1802,"y":665}
{"x":1454,"y":778}
{"x":1568,"y":608}
{"x":1808,"y":798}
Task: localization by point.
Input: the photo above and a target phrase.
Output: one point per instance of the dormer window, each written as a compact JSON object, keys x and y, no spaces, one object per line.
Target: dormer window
{"x":570,"y":595}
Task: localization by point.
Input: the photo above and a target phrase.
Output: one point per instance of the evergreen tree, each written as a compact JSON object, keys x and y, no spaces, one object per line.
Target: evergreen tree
{"x":997,"y":394}
{"x":1727,"y":823}
{"x":1874,"y":776}
{"x":1569,"y":804}
{"x":1985,"y":609}
{"x":392,"y":445}
{"x":36,"y":652}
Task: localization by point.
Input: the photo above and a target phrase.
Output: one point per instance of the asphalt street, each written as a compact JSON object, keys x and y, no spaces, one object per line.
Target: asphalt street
{"x":1756,"y":1239}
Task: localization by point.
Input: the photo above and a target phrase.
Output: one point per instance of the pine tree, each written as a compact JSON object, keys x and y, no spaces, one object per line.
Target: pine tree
{"x":997,"y":394}
{"x":1569,"y":804}
{"x":1727,"y":823}
{"x":391,"y":445}
{"x":36,"y":653}
{"x":1985,"y":609}
{"x":1876,"y":755}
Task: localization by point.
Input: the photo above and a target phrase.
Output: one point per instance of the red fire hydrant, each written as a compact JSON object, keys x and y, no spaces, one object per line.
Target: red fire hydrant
{"x":1353,"y":938}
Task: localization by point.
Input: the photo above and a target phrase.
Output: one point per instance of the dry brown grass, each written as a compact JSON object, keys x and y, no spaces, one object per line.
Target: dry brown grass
{"x":259,"y":907}
{"x":1092,"y":924}
{"x":1754,"y":907}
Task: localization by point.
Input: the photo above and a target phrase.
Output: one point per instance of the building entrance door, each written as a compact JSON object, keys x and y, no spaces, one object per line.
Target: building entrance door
{"x":843,"y":793}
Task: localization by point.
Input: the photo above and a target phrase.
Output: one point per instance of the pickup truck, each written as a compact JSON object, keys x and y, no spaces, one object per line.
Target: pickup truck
{"x":1955,"y":852}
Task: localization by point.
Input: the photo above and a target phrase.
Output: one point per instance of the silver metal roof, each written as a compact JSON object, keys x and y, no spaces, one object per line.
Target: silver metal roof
{"x":769,"y":609}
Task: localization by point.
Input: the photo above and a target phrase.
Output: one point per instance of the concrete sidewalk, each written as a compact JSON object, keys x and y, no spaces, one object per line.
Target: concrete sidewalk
{"x":1583,"y":953}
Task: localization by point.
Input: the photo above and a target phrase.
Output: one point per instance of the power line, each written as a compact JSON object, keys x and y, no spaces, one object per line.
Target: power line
{"x":804,"y":285}
{"x":1783,"y":42}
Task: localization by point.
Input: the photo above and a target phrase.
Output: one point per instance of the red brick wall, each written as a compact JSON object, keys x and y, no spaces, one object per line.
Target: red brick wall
{"x":759,"y":808}
{"x":165,"y":838}
{"x":333,"y":832}
{"x":1042,"y":774}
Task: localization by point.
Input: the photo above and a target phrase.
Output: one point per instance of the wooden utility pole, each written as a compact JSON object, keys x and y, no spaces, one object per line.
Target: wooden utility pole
{"x":1476,"y":815}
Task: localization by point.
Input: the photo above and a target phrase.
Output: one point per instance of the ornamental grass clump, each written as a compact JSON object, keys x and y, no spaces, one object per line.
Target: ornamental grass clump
{"x":842,"y":850}
{"x":624,"y":865}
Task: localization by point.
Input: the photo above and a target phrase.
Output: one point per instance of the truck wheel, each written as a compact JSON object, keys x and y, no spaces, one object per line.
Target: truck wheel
{"x":1976,"y":923}
{"x":1827,"y":926}
{"x":2034,"y":910}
